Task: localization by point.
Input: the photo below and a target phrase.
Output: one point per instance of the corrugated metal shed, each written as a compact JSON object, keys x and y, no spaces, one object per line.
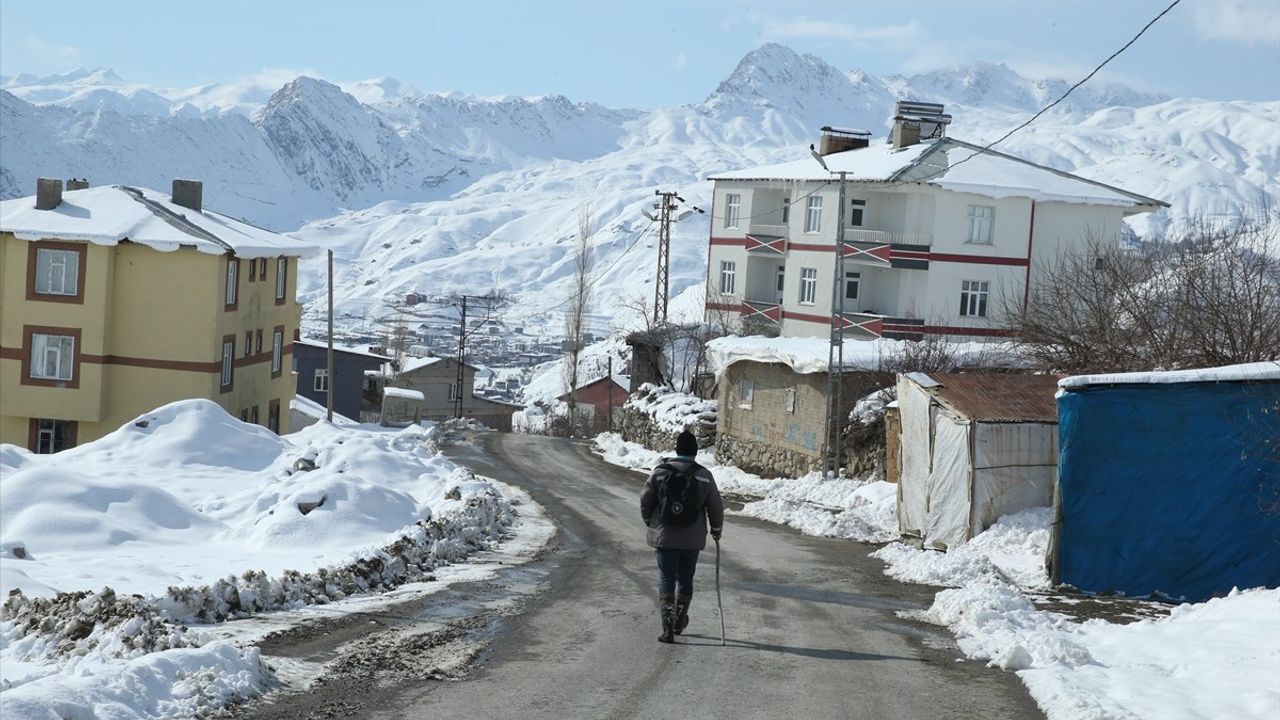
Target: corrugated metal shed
{"x":999,"y":397}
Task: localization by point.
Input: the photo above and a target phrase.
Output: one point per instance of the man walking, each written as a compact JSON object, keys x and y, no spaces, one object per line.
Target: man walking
{"x":679,"y":500}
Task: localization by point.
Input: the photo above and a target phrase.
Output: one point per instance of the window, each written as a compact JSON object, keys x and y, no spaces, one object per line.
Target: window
{"x":51,"y":436}
{"x":808,"y":285}
{"x":262,"y":268}
{"x":53,"y":357}
{"x":781,"y":283}
{"x":253,"y":270}
{"x":813,"y":214}
{"x":277,"y":351}
{"x":228,"y":360}
{"x":746,"y":393}
{"x":856,"y":212}
{"x":57,"y":271}
{"x":851,"y":282}
{"x":253,"y":415}
{"x":282,"y":278}
{"x":786,"y":210}
{"x":233,"y":282}
{"x":733,"y":206}
{"x":257,"y":342}
{"x":273,"y":416}
{"x":789,"y":401}
{"x":321,"y":381}
{"x":248,"y":343}
{"x":453,"y":391}
{"x":973,"y":298}
{"x":981,"y":220}
{"x":728,"y":276}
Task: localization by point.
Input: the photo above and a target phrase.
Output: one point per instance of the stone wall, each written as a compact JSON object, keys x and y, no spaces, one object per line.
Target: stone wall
{"x":655,"y":416}
{"x":773,"y":419}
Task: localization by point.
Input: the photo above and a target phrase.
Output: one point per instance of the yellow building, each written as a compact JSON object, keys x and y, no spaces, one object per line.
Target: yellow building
{"x":117,"y":300}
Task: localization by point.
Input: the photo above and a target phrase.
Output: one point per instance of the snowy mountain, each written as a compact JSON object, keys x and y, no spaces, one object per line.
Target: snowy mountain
{"x":436,"y":193}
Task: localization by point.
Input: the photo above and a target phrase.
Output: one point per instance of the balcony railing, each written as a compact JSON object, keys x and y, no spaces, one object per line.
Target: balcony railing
{"x":885,"y":237}
{"x":769,"y":230}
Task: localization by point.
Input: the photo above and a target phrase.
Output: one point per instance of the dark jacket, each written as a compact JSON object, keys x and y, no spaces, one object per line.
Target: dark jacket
{"x":694,"y":535}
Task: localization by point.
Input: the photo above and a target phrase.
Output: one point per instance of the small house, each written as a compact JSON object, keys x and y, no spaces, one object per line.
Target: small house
{"x":310,"y":358}
{"x":599,"y":403}
{"x":1169,"y":482}
{"x":974,"y":446}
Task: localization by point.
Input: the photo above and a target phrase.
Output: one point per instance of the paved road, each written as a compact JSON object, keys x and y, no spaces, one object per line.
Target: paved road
{"x":812,"y":629}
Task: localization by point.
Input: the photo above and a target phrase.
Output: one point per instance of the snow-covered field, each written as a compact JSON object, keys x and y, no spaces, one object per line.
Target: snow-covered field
{"x":1211,"y":660}
{"x":118,"y":551}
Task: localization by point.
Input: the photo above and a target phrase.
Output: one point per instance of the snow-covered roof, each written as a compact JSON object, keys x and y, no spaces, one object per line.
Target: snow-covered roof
{"x":417,"y":363}
{"x":968,"y":168}
{"x":313,"y":409}
{"x":403,"y":393}
{"x":1268,"y":371}
{"x":338,"y":347}
{"x":809,"y":355}
{"x":109,"y":214}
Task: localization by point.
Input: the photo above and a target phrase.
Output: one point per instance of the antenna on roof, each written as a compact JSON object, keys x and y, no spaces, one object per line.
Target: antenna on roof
{"x":818,"y":156}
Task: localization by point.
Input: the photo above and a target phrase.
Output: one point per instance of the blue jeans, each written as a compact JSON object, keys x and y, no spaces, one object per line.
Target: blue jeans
{"x":675,"y":571}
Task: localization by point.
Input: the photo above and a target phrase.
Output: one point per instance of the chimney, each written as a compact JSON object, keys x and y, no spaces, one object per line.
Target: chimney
{"x":77,"y":184}
{"x":48,"y":193}
{"x":916,"y":121}
{"x":834,"y":140}
{"x":188,"y":194}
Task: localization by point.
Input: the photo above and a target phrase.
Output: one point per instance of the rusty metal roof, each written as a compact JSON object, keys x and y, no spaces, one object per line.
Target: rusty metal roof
{"x":999,"y":397}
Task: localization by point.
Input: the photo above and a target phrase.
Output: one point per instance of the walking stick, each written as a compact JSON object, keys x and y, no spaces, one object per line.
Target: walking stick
{"x":719,"y":602}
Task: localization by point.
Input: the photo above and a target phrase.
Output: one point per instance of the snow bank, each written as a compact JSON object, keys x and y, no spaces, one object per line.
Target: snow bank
{"x":671,"y":411}
{"x":179,"y":683}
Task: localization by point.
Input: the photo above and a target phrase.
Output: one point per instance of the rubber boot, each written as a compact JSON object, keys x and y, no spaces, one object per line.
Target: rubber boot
{"x":668,"y":618}
{"x":682,"y":612}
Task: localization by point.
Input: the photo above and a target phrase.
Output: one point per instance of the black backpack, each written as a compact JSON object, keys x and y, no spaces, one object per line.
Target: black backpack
{"x":680,"y":498}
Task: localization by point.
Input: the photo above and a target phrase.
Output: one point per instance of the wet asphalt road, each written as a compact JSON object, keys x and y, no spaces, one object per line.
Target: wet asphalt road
{"x":811,"y":625}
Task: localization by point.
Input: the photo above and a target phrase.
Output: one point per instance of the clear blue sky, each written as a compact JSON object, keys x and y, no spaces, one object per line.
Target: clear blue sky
{"x":640,"y":54}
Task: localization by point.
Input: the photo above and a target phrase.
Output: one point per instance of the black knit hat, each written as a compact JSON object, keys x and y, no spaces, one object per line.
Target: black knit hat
{"x":687,"y":444}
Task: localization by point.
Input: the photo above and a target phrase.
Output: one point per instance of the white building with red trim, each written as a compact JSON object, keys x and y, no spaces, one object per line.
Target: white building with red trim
{"x":936,"y":231}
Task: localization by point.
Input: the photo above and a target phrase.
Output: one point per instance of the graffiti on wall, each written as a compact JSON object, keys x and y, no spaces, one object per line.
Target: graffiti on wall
{"x":793,"y":433}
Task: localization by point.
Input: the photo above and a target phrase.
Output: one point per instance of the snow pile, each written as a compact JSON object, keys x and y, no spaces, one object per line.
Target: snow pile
{"x":188,"y":515}
{"x":852,"y":509}
{"x":670,"y":410}
{"x":1013,"y":549}
{"x":179,"y":683}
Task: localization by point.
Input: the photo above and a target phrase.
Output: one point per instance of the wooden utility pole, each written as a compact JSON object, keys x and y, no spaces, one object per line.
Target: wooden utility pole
{"x":609,"y":385}
{"x":329,"y":384}
{"x":462,"y":353}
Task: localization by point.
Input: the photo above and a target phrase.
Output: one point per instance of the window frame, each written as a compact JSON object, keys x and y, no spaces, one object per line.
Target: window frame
{"x":282,"y":278}
{"x":254,"y":415}
{"x":786,"y":209}
{"x":813,"y":214}
{"x":257,"y":342}
{"x":28,"y":347}
{"x":974,"y":298}
{"x":227,"y":367}
{"x":273,"y":416}
{"x":33,"y":252}
{"x":789,"y":401}
{"x":856,"y":277}
{"x":857,"y":209}
{"x":780,"y":284}
{"x":987,"y":222}
{"x":34,"y":432}
{"x":277,"y":351}
{"x":453,"y":391}
{"x":732,"y":209}
{"x":809,"y":283}
{"x":746,"y":393}
{"x":231,"y":290}
{"x":248,"y":343}
{"x":320,"y":377}
{"x":728,"y":277}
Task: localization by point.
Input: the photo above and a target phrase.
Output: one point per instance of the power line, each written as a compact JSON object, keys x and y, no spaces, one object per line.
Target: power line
{"x":1053,"y":104}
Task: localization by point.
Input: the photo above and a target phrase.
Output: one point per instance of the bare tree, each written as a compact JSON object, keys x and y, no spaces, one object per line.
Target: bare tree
{"x":1208,"y":297}
{"x":575,"y":315}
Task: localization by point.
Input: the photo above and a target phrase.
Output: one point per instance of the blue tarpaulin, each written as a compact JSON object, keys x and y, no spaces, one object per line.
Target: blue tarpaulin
{"x":1169,"y":489}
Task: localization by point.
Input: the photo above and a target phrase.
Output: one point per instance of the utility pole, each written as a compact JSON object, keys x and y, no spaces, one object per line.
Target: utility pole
{"x":329,"y":384}
{"x":835,"y":354}
{"x":462,"y":352}
{"x":610,"y":386}
{"x":662,"y":286}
